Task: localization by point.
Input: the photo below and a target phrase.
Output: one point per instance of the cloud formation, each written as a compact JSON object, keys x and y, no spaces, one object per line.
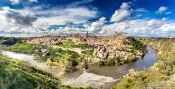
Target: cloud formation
{"x":17,"y":22}
{"x":163,"y":9}
{"x":97,"y":25}
{"x":19,"y":1}
{"x":15,"y":1}
{"x":121,"y":13}
{"x":59,"y":16}
{"x":141,"y":27}
{"x":21,"y":19}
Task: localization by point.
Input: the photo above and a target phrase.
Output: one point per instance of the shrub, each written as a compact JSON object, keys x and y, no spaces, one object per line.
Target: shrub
{"x":138,"y":45}
{"x":70,"y":65}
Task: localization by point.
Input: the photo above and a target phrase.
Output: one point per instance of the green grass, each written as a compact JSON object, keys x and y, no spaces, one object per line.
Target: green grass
{"x":88,"y":52}
{"x":25,"y":48}
{"x":71,"y":44}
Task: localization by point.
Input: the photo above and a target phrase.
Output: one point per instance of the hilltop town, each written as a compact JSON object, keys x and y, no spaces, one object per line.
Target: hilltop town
{"x":105,"y":47}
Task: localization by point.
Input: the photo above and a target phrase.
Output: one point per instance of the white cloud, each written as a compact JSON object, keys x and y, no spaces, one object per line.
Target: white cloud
{"x":168,"y":27}
{"x":80,"y":2}
{"x":141,"y":27}
{"x":15,"y":21}
{"x":162,"y":9}
{"x":63,"y":16}
{"x":19,"y":1}
{"x":97,"y":25}
{"x":121,"y":13}
{"x":33,"y":0}
{"x":15,"y":1}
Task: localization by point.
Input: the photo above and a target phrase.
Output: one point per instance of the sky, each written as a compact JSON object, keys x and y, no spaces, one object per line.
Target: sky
{"x":145,"y":18}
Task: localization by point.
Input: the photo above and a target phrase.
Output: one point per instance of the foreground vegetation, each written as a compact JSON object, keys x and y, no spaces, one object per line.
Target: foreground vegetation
{"x":160,"y":75}
{"x":18,"y":75}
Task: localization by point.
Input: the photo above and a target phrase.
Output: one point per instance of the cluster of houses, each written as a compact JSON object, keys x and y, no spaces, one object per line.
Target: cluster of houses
{"x":105,"y":47}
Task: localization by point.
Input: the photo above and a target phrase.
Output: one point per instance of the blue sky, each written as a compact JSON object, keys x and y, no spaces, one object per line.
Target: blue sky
{"x":99,"y":17}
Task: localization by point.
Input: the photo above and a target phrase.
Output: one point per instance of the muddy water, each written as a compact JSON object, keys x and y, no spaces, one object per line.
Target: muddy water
{"x":118,"y":71}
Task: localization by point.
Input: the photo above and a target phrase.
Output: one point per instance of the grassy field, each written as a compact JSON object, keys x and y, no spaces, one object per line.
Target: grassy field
{"x":71,"y":44}
{"x":158,"y":76}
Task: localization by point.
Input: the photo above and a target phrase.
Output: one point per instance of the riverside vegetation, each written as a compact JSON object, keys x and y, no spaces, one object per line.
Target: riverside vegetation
{"x":161,"y":75}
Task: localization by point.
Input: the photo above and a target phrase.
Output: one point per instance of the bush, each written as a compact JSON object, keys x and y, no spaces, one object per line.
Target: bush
{"x":138,"y":45}
{"x":135,"y":80}
{"x":11,"y":41}
{"x":70,"y":65}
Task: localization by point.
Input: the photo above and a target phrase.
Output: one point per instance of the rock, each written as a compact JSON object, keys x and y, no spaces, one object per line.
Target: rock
{"x":101,"y":53}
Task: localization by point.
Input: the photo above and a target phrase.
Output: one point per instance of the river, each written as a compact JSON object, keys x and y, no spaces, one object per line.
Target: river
{"x":96,"y":77}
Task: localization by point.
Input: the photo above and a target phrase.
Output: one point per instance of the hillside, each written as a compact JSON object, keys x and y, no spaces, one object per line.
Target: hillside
{"x":161,"y":75}
{"x":19,"y":75}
